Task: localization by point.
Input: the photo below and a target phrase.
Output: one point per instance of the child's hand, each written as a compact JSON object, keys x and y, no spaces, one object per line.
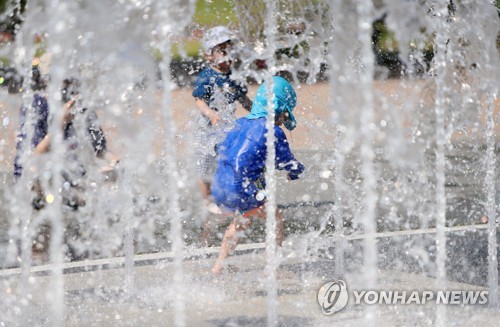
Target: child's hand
{"x":214,"y":117}
{"x":210,"y":113}
{"x":68,"y":111}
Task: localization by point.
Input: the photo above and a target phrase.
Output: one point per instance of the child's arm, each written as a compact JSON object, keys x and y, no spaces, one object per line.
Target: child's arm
{"x":205,"y":109}
{"x":43,"y":146}
{"x":246,"y":102}
{"x":285,"y":159}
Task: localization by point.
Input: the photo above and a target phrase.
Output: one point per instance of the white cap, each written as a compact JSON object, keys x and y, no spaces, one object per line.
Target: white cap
{"x":214,"y":37}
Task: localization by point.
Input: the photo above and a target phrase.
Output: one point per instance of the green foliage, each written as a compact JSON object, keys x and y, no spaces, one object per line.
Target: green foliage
{"x":215,"y":12}
{"x":383,"y":39}
{"x":4,"y":61}
{"x":3,"y":5}
{"x":189,"y":48}
{"x":11,"y":21}
{"x":208,"y":13}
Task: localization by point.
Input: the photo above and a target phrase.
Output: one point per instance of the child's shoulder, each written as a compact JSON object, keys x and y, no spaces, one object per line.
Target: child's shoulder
{"x":206,"y":75}
{"x":207,"y":71}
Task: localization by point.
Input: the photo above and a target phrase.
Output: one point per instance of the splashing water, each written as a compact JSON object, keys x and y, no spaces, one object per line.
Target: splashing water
{"x":402,"y":174}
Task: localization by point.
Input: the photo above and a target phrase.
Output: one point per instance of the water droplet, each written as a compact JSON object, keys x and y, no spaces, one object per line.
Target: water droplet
{"x":326,"y":174}
{"x":49,"y":198}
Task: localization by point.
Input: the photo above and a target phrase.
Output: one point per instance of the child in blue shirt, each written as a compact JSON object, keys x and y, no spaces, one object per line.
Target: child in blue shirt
{"x":216,"y":95}
{"x":238,"y":184}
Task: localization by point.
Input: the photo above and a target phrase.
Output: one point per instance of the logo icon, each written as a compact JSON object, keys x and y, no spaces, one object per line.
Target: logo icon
{"x":333,"y":296}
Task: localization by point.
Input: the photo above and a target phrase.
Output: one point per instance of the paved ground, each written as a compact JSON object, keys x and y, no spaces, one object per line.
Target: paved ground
{"x":103,"y":297}
{"x":313,"y":111}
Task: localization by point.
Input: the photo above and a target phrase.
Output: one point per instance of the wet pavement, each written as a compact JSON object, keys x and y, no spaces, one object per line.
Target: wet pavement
{"x":100,"y":293}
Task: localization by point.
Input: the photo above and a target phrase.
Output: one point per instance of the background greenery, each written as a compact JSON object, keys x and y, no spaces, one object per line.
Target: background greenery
{"x":222,"y":12}
{"x":208,"y":13}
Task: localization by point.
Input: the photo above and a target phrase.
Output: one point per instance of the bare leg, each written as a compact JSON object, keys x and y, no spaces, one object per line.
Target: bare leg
{"x":230,"y":241}
{"x":239,"y":224}
{"x":204,"y":188}
{"x":280,"y":226}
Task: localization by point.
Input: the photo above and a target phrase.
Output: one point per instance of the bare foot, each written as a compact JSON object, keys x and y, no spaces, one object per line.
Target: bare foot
{"x":218,"y":268}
